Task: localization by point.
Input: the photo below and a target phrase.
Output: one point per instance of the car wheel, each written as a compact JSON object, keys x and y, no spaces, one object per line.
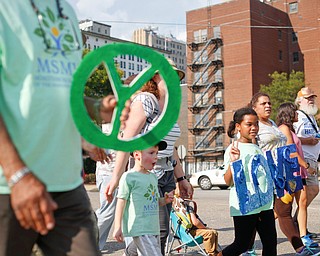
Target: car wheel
{"x":205,"y":183}
{"x":223,"y":187}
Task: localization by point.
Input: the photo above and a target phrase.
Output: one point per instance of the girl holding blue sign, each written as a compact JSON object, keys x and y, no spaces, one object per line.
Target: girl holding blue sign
{"x":251,"y":193}
{"x":287,"y":115}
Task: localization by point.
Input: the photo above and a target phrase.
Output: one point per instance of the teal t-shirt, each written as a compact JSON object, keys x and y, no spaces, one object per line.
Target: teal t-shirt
{"x":247,"y":151}
{"x":141,"y":215}
{"x":35,"y":89}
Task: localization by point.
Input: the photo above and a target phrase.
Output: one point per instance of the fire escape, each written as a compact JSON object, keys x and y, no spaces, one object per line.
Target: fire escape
{"x":207,"y":97}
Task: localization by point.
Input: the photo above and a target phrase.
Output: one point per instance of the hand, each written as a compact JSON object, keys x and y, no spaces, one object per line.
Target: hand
{"x":33,"y":205}
{"x":313,"y":141}
{"x":117,"y":234}
{"x":95,"y":153}
{"x":185,"y":189}
{"x":108,"y":104}
{"x":168,"y":197}
{"x":312,"y":171}
{"x":234,"y":151}
{"x":110,"y":188}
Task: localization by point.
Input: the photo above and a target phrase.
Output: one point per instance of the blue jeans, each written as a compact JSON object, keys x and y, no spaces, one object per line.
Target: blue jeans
{"x":106,"y":212}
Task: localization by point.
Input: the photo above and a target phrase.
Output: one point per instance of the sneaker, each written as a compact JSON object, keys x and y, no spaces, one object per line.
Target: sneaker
{"x":311,"y":235}
{"x":251,"y":252}
{"x":307,"y":241}
{"x":308,"y":251}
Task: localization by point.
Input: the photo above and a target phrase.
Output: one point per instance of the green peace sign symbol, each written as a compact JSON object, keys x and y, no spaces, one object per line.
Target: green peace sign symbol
{"x":106,"y":55}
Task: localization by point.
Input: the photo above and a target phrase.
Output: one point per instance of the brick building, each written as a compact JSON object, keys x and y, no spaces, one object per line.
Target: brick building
{"x":232,"y":47}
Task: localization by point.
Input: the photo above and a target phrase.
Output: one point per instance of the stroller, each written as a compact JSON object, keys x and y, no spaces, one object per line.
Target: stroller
{"x":181,"y":226}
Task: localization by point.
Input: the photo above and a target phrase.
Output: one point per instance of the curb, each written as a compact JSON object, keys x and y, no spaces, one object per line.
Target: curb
{"x":91,"y":187}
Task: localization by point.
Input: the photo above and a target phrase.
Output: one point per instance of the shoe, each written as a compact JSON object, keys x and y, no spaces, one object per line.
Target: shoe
{"x":311,"y":235}
{"x":307,"y":241}
{"x":308,"y":251}
{"x":251,"y":252}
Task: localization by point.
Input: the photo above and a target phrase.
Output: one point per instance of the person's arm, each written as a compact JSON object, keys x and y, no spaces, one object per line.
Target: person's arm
{"x":134,"y":124}
{"x":95,"y":153}
{"x":309,"y":141}
{"x":117,"y":232}
{"x":167,"y":199}
{"x":286,"y":131}
{"x":185,"y":188}
{"x":196,"y":222}
{"x":228,"y":177}
{"x":101,"y":110}
{"x":234,"y":155}
{"x":31,"y":203}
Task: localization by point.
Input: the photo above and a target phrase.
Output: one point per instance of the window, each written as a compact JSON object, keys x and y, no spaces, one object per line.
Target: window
{"x":296,"y":57}
{"x":219,"y":141}
{"x":200,"y":35}
{"x":294,"y":37}
{"x":218,"y":97}
{"x":280,"y":55}
{"x":98,"y":30}
{"x":279,"y":34}
{"x":97,"y":39}
{"x":219,"y":119}
{"x":293,"y":7}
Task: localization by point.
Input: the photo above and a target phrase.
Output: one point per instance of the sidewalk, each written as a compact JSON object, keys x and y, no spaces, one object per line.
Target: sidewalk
{"x":91,"y":187}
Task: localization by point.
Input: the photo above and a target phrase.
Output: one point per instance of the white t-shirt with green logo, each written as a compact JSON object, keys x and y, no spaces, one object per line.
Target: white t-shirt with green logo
{"x":35,"y":82}
{"x":141,"y":215}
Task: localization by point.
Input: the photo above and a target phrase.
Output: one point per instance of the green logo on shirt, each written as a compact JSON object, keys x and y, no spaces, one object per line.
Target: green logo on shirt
{"x":152,"y":194}
{"x":57,"y":36}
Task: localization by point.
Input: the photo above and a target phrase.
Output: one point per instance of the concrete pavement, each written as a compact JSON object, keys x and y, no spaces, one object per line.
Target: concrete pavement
{"x":214,"y":210}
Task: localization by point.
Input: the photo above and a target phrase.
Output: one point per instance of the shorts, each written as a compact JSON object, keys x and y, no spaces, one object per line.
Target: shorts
{"x":311,"y":179}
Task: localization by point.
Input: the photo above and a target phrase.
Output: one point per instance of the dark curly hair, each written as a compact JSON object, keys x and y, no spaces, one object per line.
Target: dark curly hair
{"x":286,"y":114}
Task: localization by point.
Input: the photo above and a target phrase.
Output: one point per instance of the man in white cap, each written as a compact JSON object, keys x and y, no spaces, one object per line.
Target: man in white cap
{"x":308,"y":131}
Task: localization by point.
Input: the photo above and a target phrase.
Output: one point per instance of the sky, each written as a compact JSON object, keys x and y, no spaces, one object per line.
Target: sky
{"x":124,"y":16}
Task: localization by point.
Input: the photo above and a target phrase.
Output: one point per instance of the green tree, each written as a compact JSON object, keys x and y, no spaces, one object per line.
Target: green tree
{"x":98,"y":84}
{"x":283,"y":88}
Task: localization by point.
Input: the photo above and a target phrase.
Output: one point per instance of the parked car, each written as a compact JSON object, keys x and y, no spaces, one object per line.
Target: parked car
{"x":209,"y":178}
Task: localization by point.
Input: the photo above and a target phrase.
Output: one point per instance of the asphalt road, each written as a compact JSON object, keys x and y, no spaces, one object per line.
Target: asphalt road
{"x":213,"y":209}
